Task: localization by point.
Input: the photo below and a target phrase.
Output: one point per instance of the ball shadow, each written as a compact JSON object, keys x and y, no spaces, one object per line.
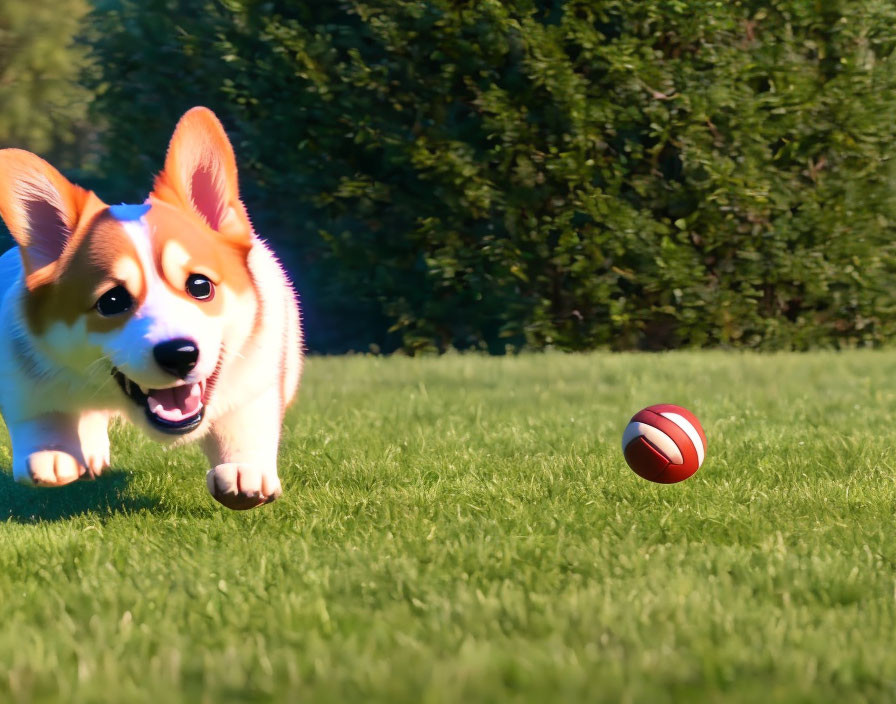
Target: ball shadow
{"x":103,"y":497}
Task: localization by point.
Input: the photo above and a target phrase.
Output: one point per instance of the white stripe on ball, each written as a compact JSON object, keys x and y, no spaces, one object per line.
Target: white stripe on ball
{"x":656,"y":437}
{"x":687,"y":427}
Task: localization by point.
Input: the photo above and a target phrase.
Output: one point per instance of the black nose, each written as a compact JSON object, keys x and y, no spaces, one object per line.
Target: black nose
{"x":177,"y":357}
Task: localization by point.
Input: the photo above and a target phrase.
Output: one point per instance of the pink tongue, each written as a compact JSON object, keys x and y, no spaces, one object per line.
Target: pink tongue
{"x":176,"y":404}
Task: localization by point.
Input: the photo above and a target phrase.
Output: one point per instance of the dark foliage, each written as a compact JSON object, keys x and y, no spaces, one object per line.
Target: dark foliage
{"x":574,"y":174}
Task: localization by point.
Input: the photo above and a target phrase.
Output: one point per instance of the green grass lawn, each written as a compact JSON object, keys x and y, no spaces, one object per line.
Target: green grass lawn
{"x":465,"y":529}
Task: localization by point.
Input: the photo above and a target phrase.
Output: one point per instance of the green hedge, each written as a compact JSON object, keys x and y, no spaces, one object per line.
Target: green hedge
{"x":42,"y":104}
{"x":574,"y":174}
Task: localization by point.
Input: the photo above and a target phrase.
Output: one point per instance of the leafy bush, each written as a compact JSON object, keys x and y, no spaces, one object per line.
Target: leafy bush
{"x":574,"y":174}
{"x":42,"y":104}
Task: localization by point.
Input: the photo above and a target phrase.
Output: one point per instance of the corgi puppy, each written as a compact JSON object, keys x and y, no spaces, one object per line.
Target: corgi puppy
{"x":171,"y":313}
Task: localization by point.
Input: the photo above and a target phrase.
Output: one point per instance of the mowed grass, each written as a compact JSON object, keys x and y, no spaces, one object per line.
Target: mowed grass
{"x":464,"y":529}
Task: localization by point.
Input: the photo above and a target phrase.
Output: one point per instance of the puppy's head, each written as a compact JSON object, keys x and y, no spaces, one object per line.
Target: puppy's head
{"x":145,"y":303}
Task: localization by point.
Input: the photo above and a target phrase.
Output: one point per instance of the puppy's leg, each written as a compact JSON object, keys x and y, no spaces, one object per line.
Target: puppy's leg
{"x":46,"y":450}
{"x":242,"y":448}
{"x":93,"y":430}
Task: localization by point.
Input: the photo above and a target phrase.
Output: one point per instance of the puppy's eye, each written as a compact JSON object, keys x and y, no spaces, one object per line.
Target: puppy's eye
{"x":200,"y":288}
{"x":115,"y":301}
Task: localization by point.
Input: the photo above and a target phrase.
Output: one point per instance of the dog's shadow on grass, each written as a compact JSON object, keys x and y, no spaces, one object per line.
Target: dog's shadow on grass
{"x":104,"y":497}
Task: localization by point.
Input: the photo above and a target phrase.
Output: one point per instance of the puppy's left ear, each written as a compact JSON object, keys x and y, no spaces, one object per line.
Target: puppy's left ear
{"x":200,"y":174}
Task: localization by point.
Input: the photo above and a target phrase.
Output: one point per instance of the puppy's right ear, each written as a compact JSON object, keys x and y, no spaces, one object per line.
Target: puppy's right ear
{"x":42,"y":210}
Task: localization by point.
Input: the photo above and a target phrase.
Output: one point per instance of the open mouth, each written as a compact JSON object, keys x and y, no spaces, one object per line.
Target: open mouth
{"x":176,"y":410}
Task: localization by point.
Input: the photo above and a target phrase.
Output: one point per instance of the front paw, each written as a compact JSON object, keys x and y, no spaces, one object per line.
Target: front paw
{"x":242,"y":486}
{"x":51,"y":468}
{"x":96,"y":462}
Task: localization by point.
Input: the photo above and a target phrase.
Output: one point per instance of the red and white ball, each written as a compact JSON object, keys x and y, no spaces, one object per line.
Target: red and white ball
{"x":664,"y":443}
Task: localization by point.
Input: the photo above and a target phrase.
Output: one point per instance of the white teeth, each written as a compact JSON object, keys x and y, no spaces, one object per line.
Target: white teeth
{"x":130,"y":386}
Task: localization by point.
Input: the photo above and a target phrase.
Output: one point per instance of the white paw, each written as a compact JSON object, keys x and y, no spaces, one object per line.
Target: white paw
{"x":242,"y":486}
{"x":97,"y":460}
{"x":51,"y":468}
{"x":93,"y":430}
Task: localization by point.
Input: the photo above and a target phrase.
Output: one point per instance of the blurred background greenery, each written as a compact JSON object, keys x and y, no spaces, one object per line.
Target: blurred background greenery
{"x":498,"y":175}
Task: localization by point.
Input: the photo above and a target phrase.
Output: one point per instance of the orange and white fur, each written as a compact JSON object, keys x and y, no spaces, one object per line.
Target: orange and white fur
{"x":171,"y":313}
